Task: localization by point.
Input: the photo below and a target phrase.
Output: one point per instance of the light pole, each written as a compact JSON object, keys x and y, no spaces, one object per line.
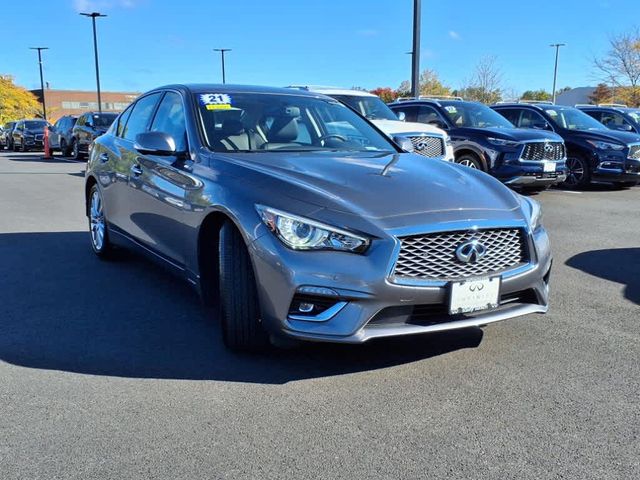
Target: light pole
{"x":222,"y":50}
{"x":555,"y":69}
{"x":415,"y":51}
{"x":93,"y":16}
{"x":44,"y":103}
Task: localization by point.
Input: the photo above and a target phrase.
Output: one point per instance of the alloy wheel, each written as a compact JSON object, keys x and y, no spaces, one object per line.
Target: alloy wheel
{"x":467,"y":162}
{"x":96,"y":221}
{"x":575,"y":171}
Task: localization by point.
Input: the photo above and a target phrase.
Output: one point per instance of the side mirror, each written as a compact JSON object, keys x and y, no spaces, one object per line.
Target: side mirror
{"x":541,"y":126}
{"x":155,"y":143}
{"x":404,"y":143}
{"x":401,"y":116}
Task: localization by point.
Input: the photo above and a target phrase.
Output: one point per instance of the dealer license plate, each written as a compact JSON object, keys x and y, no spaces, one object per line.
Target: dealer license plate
{"x":549,"y":167}
{"x":474,"y":294}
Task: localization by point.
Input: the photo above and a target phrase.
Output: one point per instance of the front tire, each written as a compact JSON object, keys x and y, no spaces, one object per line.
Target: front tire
{"x":75,"y":148}
{"x":240,"y":311}
{"x":470,"y":160}
{"x":578,"y":172}
{"x":98,"y":224}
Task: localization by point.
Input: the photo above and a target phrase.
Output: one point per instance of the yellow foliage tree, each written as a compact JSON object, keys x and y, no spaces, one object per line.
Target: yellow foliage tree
{"x":16,"y":102}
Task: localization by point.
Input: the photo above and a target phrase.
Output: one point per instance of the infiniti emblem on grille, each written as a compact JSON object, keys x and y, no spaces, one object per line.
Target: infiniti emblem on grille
{"x":548,"y":147}
{"x":471,"y":251}
{"x":421,"y":145}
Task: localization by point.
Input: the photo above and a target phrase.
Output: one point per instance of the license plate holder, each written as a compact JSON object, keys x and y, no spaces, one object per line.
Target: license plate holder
{"x":474,"y":294}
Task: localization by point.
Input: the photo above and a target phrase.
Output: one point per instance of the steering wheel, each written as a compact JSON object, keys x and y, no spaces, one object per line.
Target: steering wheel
{"x":327,"y":137}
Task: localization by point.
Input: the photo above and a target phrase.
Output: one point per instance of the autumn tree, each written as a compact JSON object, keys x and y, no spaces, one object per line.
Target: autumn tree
{"x":601,"y":94}
{"x":620,"y":66}
{"x":485,"y":84}
{"x":386,"y":94}
{"x":430,"y":85}
{"x":15,"y":101}
{"x":541,"y":94}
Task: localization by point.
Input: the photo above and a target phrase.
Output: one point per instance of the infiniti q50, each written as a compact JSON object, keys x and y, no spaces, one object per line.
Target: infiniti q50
{"x":296,"y":231}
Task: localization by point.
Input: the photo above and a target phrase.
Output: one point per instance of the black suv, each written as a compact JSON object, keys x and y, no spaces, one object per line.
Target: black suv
{"x":615,"y":117}
{"x":61,"y":133}
{"x":28,"y":134}
{"x":486,"y":141}
{"x":5,"y":136}
{"x":593,"y":151}
{"x":88,"y":127}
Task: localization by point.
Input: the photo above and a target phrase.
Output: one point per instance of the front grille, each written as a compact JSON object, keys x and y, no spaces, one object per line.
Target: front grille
{"x":539,"y":151}
{"x":634,"y":152}
{"x":433,"y":256}
{"x":428,"y":146}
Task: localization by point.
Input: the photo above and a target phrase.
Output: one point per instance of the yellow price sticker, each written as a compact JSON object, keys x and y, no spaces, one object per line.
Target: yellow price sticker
{"x":219,"y":106}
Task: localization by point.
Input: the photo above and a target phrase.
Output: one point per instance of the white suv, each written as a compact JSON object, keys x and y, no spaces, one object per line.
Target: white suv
{"x":427,"y":140}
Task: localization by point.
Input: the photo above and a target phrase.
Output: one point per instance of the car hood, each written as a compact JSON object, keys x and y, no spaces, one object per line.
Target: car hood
{"x":392,"y":127}
{"x":606,"y":136}
{"x":390,"y":189}
{"x":514,"y":134}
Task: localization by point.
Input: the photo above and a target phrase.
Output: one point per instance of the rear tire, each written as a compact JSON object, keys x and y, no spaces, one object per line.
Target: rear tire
{"x":64,"y":149}
{"x":75,"y":148}
{"x":98,"y":231}
{"x":578,"y":172}
{"x":470,"y":160}
{"x":240,"y":310}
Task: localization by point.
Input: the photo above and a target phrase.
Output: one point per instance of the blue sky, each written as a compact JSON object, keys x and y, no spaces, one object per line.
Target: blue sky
{"x":146,"y":43}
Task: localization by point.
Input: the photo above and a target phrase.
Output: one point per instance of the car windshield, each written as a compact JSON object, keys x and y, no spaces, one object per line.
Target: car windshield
{"x":258,"y":122}
{"x":635,"y":115}
{"x":573,"y":119}
{"x":474,"y":115}
{"x":104,"y":120}
{"x":34,"y":125}
{"x":371,"y":107}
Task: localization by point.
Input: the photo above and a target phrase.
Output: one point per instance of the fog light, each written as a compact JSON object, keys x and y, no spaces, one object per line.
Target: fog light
{"x":306,"y":307}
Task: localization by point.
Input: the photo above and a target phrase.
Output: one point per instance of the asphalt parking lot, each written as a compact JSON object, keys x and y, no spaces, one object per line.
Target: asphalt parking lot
{"x":114,"y":370}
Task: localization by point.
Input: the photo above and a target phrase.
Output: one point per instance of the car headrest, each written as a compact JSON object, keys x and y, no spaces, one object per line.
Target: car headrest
{"x":284,"y":129}
{"x":232,"y":127}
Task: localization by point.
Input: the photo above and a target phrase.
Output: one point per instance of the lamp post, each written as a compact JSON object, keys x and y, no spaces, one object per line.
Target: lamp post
{"x":222,"y":50}
{"x":415,"y":51}
{"x":44,"y":103}
{"x":93,"y":16}
{"x":555,"y":69}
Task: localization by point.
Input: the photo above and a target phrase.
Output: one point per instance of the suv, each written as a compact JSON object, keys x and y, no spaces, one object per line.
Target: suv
{"x":426,"y":140}
{"x":593,"y":151}
{"x":615,"y":117}
{"x":5,"y":136}
{"x":486,"y":141}
{"x":28,"y":134}
{"x":88,"y":127}
{"x":61,"y":133}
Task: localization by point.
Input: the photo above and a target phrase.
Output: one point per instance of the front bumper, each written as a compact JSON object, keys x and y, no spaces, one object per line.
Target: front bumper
{"x":370,"y":304}
{"x":616,"y":169}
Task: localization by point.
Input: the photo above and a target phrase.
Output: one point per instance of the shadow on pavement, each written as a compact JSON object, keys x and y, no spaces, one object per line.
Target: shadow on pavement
{"x":64,"y":309}
{"x":34,"y":156}
{"x":621,"y":265}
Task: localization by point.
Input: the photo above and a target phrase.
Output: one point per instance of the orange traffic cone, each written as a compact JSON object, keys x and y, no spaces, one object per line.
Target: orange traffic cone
{"x":47,"y":150}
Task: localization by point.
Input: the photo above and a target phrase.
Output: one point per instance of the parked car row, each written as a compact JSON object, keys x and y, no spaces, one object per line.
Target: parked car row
{"x":70,"y":135}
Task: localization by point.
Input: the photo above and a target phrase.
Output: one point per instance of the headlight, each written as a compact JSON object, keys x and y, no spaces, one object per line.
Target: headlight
{"x":535,"y":213}
{"x":606,"y":145}
{"x":300,"y":233}
{"x":502,"y":142}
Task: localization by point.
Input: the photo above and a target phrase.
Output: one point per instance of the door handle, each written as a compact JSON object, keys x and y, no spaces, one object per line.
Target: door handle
{"x":104,"y":157}
{"x":136,"y":171}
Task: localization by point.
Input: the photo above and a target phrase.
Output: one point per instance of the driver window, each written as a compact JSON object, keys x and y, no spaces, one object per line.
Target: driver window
{"x":170,"y":119}
{"x":428,"y":115}
{"x":530,"y":119}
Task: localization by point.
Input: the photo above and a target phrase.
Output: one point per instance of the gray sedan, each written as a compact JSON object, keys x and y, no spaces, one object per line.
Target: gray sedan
{"x":300,"y":219}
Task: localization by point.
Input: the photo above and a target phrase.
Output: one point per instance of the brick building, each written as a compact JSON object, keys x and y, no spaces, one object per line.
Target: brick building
{"x":76,"y":102}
